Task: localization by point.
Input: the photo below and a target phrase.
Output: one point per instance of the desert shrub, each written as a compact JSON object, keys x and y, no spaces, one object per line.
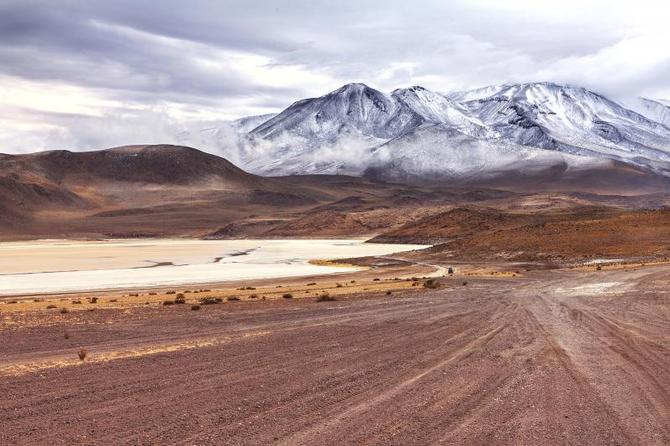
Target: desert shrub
{"x":195,"y":307}
{"x":233,"y":299}
{"x":171,"y":292}
{"x":250,"y":288}
{"x":253,"y":296}
{"x":152,"y":294}
{"x":180,"y":299}
{"x":450,"y":270}
{"x":51,"y":307}
{"x":94,"y":300}
{"x":431,"y":283}
{"x":598,"y":268}
{"x":311,"y":284}
{"x":210,"y":300}
{"x":287,"y":296}
{"x":388,"y":293}
{"x":353,"y":281}
{"x":465,"y":283}
{"x":376,"y":279}
{"x":325,"y":297}
{"x":338,"y":285}
{"x":82,"y":354}
{"x":76,"y":302}
{"x":168,"y":302}
{"x":64,"y":310}
{"x":66,"y":335}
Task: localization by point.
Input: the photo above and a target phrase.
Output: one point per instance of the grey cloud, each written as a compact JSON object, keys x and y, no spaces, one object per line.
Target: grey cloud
{"x":125,"y":49}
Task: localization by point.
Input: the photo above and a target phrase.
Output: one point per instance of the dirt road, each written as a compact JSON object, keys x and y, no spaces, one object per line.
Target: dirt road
{"x":556,"y":357}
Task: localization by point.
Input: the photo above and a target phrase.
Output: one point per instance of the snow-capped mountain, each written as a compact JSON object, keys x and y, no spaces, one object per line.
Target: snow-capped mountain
{"x":417,"y":132}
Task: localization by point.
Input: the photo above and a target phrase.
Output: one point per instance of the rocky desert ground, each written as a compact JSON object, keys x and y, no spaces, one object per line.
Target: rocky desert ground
{"x":535,"y":317}
{"x":486,"y":355}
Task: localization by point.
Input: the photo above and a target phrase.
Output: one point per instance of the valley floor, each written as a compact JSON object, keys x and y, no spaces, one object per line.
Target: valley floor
{"x":546,"y":357}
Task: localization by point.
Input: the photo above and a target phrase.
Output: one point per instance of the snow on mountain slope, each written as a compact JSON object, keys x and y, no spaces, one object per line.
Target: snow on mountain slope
{"x":655,"y":109}
{"x":571,"y":120}
{"x":417,"y":132}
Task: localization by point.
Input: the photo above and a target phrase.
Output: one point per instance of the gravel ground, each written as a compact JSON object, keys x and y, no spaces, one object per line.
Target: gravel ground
{"x":551,"y":358}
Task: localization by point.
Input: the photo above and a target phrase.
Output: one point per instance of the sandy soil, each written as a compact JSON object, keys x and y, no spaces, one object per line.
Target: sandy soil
{"x":549,"y":357}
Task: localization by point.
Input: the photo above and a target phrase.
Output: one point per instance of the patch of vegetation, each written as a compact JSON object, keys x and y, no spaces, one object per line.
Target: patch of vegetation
{"x":233,"y":299}
{"x":253,"y":296}
{"x":325,"y":297}
{"x":465,"y":283}
{"x":195,"y":307}
{"x":113,"y":300}
{"x":431,"y":283}
{"x":388,"y":293}
{"x":311,"y":284}
{"x":171,"y":292}
{"x":376,"y":279}
{"x":51,"y":307}
{"x":76,"y":302}
{"x":82,"y":354}
{"x":180,"y":299}
{"x":450,"y":270}
{"x":210,"y":300}
{"x":287,"y":296}
{"x":94,"y":300}
{"x":64,"y":310}
{"x":168,"y":302}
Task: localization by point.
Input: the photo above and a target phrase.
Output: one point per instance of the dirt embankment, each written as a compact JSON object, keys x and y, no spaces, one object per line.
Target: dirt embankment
{"x":572,"y":234}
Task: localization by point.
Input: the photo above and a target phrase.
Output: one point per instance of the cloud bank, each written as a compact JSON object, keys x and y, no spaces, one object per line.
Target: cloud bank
{"x":95,"y":74}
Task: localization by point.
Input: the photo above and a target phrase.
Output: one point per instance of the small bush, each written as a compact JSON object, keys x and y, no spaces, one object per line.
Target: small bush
{"x":168,"y":302}
{"x":598,"y":268}
{"x":431,"y":283}
{"x":94,"y":300}
{"x":253,"y":296}
{"x":287,"y":296}
{"x":465,"y":283}
{"x":113,"y":300}
{"x":338,"y":285}
{"x":180,"y":300}
{"x":210,"y":300}
{"x":388,"y":293}
{"x":325,"y":297}
{"x":76,"y":302}
{"x":171,"y":292}
{"x":376,"y":279}
{"x":311,"y":284}
{"x":233,"y":299}
{"x":450,"y":270}
{"x":51,"y":307}
{"x":152,"y":294}
{"x":82,"y":354}
{"x":64,"y":310}
{"x":195,"y":307}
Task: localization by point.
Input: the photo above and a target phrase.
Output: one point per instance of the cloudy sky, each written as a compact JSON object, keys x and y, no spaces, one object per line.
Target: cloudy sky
{"x":91,"y":74}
